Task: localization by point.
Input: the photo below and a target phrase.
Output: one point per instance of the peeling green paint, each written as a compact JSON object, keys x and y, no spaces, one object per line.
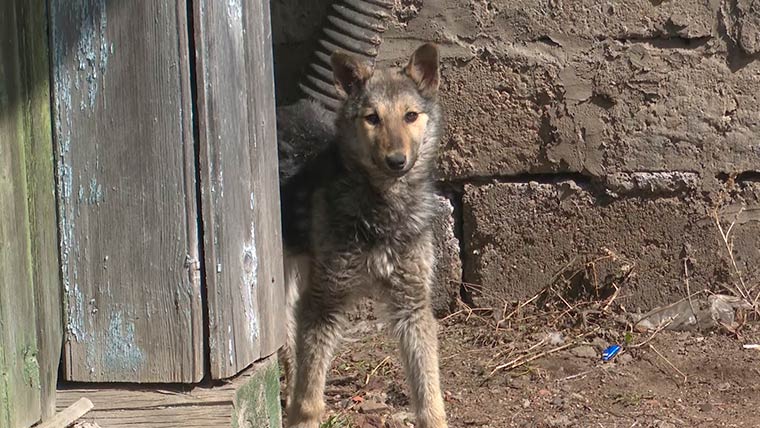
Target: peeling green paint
{"x":5,"y":399}
{"x":257,"y":403}
{"x":31,"y":367}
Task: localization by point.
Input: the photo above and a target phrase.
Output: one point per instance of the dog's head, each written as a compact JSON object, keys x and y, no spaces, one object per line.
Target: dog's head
{"x":390,"y":118}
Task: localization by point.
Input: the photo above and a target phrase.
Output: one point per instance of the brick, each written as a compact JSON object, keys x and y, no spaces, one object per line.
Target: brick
{"x":497,"y":116}
{"x":519,"y":235}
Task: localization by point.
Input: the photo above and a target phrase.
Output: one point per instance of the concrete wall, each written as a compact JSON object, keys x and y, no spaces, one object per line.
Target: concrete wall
{"x":579,"y":128}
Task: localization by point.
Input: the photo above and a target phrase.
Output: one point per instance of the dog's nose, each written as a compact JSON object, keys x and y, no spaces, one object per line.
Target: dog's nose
{"x":396,"y":161}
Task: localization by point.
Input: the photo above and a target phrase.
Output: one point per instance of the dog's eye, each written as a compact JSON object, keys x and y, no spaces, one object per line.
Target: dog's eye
{"x":373,"y":119}
{"x":410,"y":117}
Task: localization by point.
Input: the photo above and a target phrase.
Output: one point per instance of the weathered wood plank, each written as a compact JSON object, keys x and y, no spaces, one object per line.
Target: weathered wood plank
{"x":262,"y":121}
{"x":41,"y":187}
{"x":19,"y":368}
{"x":239,"y":182}
{"x":251,"y":396}
{"x":122,"y":115}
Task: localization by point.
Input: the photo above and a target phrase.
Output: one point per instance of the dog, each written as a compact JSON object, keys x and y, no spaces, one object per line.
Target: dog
{"x":357,"y":203}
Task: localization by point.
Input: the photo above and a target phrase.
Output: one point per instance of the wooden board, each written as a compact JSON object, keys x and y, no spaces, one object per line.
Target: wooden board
{"x":68,"y":416}
{"x":240,"y":193}
{"x":262,"y":122}
{"x":41,"y":187}
{"x":126,"y":193}
{"x":252,"y":396}
{"x":19,"y":367}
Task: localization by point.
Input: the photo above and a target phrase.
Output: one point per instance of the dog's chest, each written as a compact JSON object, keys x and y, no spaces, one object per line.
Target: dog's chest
{"x":388,"y":224}
{"x":381,"y":262}
{"x":375,"y":248}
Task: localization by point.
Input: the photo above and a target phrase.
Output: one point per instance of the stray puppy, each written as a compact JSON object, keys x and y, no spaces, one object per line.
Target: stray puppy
{"x":356,"y":222}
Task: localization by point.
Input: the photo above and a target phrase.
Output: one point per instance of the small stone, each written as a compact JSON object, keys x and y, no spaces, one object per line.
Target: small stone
{"x":560,"y":421}
{"x":517,"y":382}
{"x":706,"y":407}
{"x":556,"y":338}
{"x":558,"y":402}
{"x":371,"y":406}
{"x":402,"y":416}
{"x":394,"y":424}
{"x":525,"y":403}
{"x":624,"y":358}
{"x":600,"y":343}
{"x":644,"y":326}
{"x":653,"y":402}
{"x":369,"y":421}
{"x":585,"y":351}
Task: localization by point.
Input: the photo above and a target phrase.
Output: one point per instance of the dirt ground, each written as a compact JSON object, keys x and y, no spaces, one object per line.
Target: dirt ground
{"x":660,"y":379}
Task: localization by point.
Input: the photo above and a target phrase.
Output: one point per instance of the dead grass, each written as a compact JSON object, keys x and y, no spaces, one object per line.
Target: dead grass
{"x":575,"y":306}
{"x":340,"y":420}
{"x":749,"y":294}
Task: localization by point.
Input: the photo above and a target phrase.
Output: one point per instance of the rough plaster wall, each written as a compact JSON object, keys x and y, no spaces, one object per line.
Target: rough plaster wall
{"x":647,"y":107}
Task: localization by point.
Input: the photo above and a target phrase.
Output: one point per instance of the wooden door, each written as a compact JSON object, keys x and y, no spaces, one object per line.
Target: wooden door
{"x":126,"y":191}
{"x":166,"y":168}
{"x":239,"y":184}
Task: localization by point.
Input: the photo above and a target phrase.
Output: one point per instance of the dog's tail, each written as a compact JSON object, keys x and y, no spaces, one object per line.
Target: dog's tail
{"x":304,"y":129}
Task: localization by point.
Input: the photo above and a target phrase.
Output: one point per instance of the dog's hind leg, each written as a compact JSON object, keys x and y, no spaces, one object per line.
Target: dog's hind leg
{"x":320,"y":318}
{"x":413,"y":324}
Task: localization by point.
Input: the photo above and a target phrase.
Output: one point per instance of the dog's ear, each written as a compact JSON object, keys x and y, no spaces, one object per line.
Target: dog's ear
{"x":349,"y":72}
{"x":423,"y":69}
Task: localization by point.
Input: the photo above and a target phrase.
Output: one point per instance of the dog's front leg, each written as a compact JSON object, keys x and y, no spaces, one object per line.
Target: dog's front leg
{"x":416,"y":331}
{"x":413,"y":323}
{"x":320,"y":318}
{"x":296,"y":278}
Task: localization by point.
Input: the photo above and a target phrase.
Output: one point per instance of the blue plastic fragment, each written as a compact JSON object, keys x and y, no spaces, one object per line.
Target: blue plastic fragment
{"x":610,"y":352}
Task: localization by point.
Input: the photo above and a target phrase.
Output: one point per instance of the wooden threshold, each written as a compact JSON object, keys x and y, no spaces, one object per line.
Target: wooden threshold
{"x":250,"y":399}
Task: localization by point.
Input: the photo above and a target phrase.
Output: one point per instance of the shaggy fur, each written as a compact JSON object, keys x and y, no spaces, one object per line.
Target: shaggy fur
{"x":357,"y":223}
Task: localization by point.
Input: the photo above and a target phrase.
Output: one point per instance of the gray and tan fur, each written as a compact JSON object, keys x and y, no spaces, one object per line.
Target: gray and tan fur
{"x":357,"y":223}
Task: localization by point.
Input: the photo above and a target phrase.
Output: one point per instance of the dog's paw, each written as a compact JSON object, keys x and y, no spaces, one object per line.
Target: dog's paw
{"x":314,"y":424}
{"x":301,"y":422}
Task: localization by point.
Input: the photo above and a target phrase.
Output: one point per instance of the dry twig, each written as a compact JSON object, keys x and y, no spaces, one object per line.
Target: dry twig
{"x":377,"y":367}
{"x":659,"y":328}
{"x":688,"y":290}
{"x":517,"y":362}
{"x":740,"y":289}
{"x":685,"y":378}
